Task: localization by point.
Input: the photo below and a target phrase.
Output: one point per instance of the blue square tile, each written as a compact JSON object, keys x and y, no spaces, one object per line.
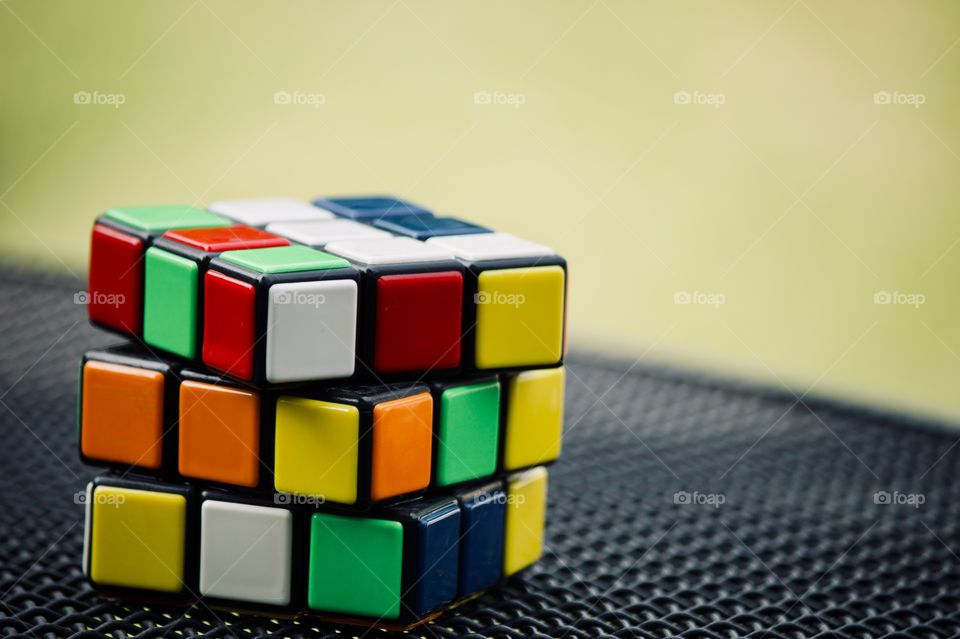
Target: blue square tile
{"x":422,"y":227}
{"x":437,"y":557}
{"x":369,"y":208}
{"x":481,"y":545}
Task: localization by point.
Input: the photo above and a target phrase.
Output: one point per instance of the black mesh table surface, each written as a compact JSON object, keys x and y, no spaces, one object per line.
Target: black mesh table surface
{"x":682,"y":506}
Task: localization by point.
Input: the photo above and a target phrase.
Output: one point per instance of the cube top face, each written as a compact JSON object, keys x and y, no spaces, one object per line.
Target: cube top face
{"x":418,"y":322}
{"x":116,"y":279}
{"x":534,"y":418}
{"x":229,"y":324}
{"x":171,"y":285}
{"x":402,"y":441}
{"x":322,"y":232}
{"x":483,"y":247}
{"x":154,"y":219}
{"x":525,"y":519}
{"x":219,"y":433}
{"x":519,"y":316}
{"x":263,"y":211}
{"x":389,"y":250}
{"x":356,"y":565}
{"x":368,"y":208}
{"x":246,"y":552}
{"x":317,"y":450}
{"x":137,"y":538}
{"x":284,"y":259}
{"x":311,"y":330}
{"x":226,"y":238}
{"x":468,"y":432}
{"x":122,"y":414}
{"x":421,"y":227}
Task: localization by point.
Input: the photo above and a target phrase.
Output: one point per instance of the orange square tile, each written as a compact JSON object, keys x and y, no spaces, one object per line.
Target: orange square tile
{"x":121,"y":414}
{"x":219,"y":433}
{"x":402,"y":442}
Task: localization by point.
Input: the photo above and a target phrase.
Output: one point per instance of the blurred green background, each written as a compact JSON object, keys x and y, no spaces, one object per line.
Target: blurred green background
{"x":784,"y":167}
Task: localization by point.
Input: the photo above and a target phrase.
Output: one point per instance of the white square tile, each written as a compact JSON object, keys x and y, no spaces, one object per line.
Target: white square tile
{"x":263,"y":211}
{"x":246,"y":552}
{"x":390,"y":250}
{"x":481,"y":247}
{"x":319,"y":233}
{"x":311,"y":330}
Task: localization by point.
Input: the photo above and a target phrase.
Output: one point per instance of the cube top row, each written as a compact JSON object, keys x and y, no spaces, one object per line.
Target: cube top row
{"x":275,"y":291}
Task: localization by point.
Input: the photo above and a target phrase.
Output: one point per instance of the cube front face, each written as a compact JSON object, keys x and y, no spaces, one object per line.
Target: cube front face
{"x":317,"y":451}
{"x":229,"y":324}
{"x":520,"y":313}
{"x":356,"y":565}
{"x":137,"y":538}
{"x":402,"y":441}
{"x":219,"y":433}
{"x":116,"y":279}
{"x":467,"y":432}
{"x":525,"y":519}
{"x":122,"y":414}
{"x":246,"y":552}
{"x":533,"y":424}
{"x":418,"y":322}
{"x":170,"y":305}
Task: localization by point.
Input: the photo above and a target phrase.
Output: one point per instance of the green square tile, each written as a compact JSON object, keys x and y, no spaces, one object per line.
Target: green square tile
{"x":469,"y":429}
{"x":284,"y":259}
{"x":355,"y":565}
{"x":170,"y":302}
{"x":165,"y":217}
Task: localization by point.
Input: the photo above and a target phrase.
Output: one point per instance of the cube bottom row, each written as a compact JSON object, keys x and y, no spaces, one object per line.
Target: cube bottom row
{"x":395,"y":564}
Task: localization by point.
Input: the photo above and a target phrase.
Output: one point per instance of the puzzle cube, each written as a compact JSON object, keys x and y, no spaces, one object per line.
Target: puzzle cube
{"x":279,"y":315}
{"x":268,"y":210}
{"x":525,"y":519}
{"x":466,"y":429}
{"x":482,"y":514}
{"x":399,"y":564}
{"x":532,"y":417}
{"x":369,"y":208}
{"x":354,"y":445}
{"x":128,"y":410}
{"x":422,"y":227}
{"x":518,"y":290}
{"x":319,"y":233}
{"x":119,"y":240}
{"x":174,"y":269}
{"x":136,"y":537}
{"x":411,"y":307}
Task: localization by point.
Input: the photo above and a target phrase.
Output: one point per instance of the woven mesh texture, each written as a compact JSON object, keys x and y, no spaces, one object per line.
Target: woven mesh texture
{"x":799,"y":548}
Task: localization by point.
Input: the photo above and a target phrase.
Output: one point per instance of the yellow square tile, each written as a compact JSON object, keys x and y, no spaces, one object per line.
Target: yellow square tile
{"x":520,"y":316}
{"x":534,"y":420}
{"x":526,"y":518}
{"x":137,"y":538}
{"x":316,"y":449}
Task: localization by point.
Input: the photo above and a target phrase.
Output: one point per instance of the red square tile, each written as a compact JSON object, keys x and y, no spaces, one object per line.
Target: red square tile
{"x":418,"y":322}
{"x":116,"y":279}
{"x":229,"y":324}
{"x":226,"y":238}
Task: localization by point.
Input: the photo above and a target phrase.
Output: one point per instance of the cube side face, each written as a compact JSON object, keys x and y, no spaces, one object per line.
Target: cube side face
{"x":311,"y":330}
{"x":402,"y":441}
{"x":219,"y":434}
{"x":533,"y":424}
{"x":436,"y":559}
{"x":356,"y":565}
{"x":122,"y":414}
{"x":171,"y":297}
{"x":229,"y":325}
{"x":481,"y":557}
{"x":246,"y":552}
{"x":525,"y":520}
{"x":115,"y":296}
{"x":137,"y":539}
{"x":519,"y":317}
{"x":317,"y":449}
{"x":468,"y":430}
{"x":418,"y":322}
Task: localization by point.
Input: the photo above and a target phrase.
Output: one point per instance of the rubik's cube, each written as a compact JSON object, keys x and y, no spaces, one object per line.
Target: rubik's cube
{"x":343,"y":408}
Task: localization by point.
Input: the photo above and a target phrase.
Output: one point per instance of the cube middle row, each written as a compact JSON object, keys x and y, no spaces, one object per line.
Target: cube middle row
{"x":350,"y":445}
